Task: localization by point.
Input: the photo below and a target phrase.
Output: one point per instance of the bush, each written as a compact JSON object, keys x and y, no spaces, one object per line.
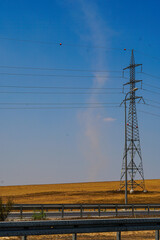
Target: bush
{"x":5,"y":208}
{"x":39,"y":215}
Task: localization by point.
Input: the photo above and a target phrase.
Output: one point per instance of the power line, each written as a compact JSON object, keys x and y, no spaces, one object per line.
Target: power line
{"x":63,"y":44}
{"x":50,"y":87}
{"x":150,"y":85}
{"x":61,"y":93}
{"x":148,"y":55}
{"x":55,"y":69}
{"x":150,"y":75}
{"x":151,"y":105}
{"x":29,"y":41}
{"x":150,"y":91}
{"x":34,"y":104}
{"x":50,"y":108}
{"x":57,"y":75}
{"x":149,"y":113}
{"x":152,"y":101}
{"x":76,"y":45}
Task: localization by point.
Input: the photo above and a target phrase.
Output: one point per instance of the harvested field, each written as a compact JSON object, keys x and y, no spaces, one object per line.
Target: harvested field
{"x":146,"y":235}
{"x":94,"y":192}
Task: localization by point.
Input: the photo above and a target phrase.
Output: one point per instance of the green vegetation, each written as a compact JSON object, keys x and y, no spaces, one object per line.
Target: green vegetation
{"x":39,"y":215}
{"x":5,"y":208}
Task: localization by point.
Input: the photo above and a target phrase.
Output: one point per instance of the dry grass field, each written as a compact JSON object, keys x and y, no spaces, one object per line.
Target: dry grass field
{"x":94,"y":192}
{"x":146,"y":235}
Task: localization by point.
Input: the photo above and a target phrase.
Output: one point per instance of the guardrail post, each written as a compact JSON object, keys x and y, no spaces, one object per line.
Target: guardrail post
{"x":132,"y":210}
{"x":99,"y":210}
{"x":42,"y":210}
{"x":81,"y":211}
{"x":21,"y":212}
{"x":24,"y":238}
{"x":118,"y":235}
{"x":74,"y":236}
{"x":157,"y":235}
{"x":62,"y":211}
{"x":116,"y":210}
{"x":148,"y":209}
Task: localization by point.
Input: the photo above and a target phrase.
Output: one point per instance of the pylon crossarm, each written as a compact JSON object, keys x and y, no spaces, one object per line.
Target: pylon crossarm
{"x":132,"y":66}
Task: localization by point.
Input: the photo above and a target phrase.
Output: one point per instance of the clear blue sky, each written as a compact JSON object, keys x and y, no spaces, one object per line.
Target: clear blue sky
{"x":39,"y":146}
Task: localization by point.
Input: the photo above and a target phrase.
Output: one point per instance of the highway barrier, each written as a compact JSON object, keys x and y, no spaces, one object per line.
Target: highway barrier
{"x":74,"y":227}
{"x":85,"y":210}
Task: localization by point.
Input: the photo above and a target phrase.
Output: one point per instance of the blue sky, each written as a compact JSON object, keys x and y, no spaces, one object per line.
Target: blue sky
{"x":40,"y":146}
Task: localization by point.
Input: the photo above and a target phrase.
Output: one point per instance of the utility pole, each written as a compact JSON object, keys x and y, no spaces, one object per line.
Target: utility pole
{"x":132,"y":159}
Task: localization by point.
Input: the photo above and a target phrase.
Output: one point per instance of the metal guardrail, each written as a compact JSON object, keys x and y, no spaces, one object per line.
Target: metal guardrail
{"x":78,"y":226}
{"x":86,"y":206}
{"x":99,"y":208}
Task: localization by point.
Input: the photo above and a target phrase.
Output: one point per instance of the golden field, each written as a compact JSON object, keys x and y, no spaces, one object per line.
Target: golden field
{"x":145,"y":235}
{"x":93,"y":192}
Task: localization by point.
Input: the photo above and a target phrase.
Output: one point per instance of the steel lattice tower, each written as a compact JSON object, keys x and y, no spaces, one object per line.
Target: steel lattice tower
{"x":133,"y":149}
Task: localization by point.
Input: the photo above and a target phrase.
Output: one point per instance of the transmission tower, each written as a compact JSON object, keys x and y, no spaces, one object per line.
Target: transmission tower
{"x":132,"y":152}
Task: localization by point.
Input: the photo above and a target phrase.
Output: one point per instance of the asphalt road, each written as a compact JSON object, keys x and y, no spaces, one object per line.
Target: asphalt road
{"x":77,"y":214}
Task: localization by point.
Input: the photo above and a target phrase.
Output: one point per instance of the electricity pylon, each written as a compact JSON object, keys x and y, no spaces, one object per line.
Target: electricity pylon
{"x":135,"y":175}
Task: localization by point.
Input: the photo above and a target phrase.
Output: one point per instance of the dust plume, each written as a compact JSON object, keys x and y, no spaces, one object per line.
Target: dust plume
{"x":91,"y":120}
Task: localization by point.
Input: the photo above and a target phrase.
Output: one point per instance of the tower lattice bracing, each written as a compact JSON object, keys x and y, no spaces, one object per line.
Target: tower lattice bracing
{"x":135,"y":173}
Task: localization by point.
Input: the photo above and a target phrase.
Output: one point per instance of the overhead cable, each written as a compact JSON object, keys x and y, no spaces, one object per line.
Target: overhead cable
{"x":51,"y":87}
{"x":148,"y":55}
{"x":61,"y":93}
{"x":149,"y":113}
{"x":50,"y":108}
{"x":150,"y":91}
{"x":73,"y":103}
{"x":150,"y":85}
{"x":61,"y":44}
{"x":150,"y":75}
{"x":56,"y":69}
{"x":57,"y":75}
